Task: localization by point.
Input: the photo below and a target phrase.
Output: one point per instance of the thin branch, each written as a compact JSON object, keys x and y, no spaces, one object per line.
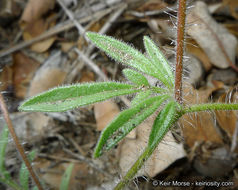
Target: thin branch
{"x":71,"y":16}
{"x":17,"y":143}
{"x":180,"y":50}
{"x":53,"y":31}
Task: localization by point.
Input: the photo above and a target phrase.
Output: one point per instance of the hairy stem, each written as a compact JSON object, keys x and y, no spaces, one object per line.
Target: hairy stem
{"x":180,"y":50}
{"x":208,"y":107}
{"x":17,"y":143}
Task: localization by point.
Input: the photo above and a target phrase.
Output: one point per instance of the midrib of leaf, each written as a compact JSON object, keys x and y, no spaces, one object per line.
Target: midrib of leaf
{"x":69,"y":97}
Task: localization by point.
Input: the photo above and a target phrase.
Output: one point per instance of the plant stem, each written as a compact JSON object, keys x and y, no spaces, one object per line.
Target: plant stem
{"x":144,"y":156}
{"x":180,"y":50}
{"x":17,"y":143}
{"x":208,"y":107}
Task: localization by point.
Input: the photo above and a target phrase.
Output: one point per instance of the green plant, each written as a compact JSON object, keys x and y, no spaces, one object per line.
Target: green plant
{"x":168,"y":97}
{"x":5,"y":176}
{"x":23,"y":184}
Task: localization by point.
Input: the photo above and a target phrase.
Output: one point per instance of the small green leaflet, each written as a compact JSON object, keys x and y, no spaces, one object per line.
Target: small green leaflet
{"x":141,"y":96}
{"x":3,"y":146}
{"x":64,"y":185}
{"x":68,"y":97}
{"x":24,"y":173}
{"x":126,"y":121}
{"x":135,"y":77}
{"x":127,"y":55}
{"x":162,"y":123}
{"x":157,"y":58}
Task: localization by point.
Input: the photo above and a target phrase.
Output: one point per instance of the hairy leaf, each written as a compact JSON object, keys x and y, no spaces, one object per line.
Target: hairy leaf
{"x":141,"y":96}
{"x":64,"y":185}
{"x":69,"y":97}
{"x":126,"y":121}
{"x":124,"y":53}
{"x":24,"y":173}
{"x":3,"y":145}
{"x":135,"y":77}
{"x":157,"y":58}
{"x":162,"y":123}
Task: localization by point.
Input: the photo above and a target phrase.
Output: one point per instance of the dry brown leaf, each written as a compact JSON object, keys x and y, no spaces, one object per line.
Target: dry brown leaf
{"x":165,"y":154}
{"x":214,"y":39}
{"x":66,"y":46}
{"x":193,"y":48}
{"x":233,"y":5}
{"x":227,"y":119}
{"x":46,"y":79}
{"x":198,"y":127}
{"x":35,"y":9}
{"x":104,"y":113}
{"x":5,"y":78}
{"x":36,"y":28}
{"x":87,"y":76}
{"x":233,"y":28}
{"x":152,"y":5}
{"x":23,"y":71}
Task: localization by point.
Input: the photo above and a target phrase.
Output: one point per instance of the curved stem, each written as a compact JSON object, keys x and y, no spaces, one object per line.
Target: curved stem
{"x":180,"y":50}
{"x":17,"y":143}
{"x":208,"y":107}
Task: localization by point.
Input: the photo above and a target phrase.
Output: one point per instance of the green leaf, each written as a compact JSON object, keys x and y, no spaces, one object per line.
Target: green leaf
{"x":124,"y":53}
{"x":24,"y":173}
{"x":135,"y":77}
{"x":64,"y":185}
{"x":68,"y":97}
{"x":126,"y":121}
{"x":157,"y":58}
{"x":3,"y":145}
{"x":162,"y":123}
{"x":140,"y":96}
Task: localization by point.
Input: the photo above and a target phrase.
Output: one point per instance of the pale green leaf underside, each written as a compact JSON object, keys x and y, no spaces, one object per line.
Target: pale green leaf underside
{"x":126,"y":121}
{"x":68,"y":97}
{"x":64,"y":185}
{"x":157,"y":58}
{"x":135,"y":77}
{"x":124,"y":53}
{"x":141,"y":96}
{"x":162,"y":123}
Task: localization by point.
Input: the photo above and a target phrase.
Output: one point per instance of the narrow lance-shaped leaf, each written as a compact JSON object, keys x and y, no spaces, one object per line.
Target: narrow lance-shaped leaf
{"x":124,"y":53}
{"x":162,"y":123}
{"x":24,"y":173}
{"x":135,"y":77}
{"x":69,"y":97}
{"x":141,"y":96}
{"x":126,"y":121}
{"x":157,"y":58}
{"x":64,"y":185}
{"x":3,"y":145}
